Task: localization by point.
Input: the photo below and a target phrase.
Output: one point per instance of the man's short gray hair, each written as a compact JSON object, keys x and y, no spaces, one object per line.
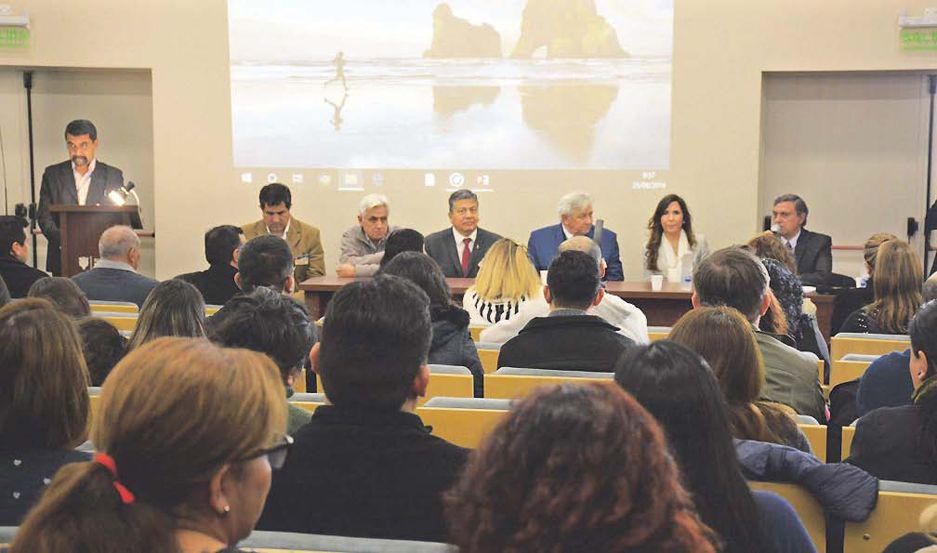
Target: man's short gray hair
{"x":583,"y":244}
{"x":116,"y":242}
{"x":800,"y":206}
{"x":574,"y":201}
{"x":371,"y":201}
{"x":930,"y":288}
{"x":463,"y":194}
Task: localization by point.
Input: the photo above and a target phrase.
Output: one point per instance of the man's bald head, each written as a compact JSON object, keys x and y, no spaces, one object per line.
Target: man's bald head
{"x":120,"y":243}
{"x":585,"y":245}
{"x":930,"y":288}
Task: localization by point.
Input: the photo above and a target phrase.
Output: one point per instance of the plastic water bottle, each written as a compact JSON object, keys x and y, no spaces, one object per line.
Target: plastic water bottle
{"x":686,"y":271}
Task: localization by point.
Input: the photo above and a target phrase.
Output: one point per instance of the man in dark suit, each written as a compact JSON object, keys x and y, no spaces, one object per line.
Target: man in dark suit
{"x":114,"y":277}
{"x":575,"y":211}
{"x":14,"y":253}
{"x":812,"y":250}
{"x":221,"y":251}
{"x":82,"y":180}
{"x":458,"y":249}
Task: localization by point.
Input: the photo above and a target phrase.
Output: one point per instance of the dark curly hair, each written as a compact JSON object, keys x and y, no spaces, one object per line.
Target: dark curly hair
{"x":657,"y":230}
{"x":574,"y":468}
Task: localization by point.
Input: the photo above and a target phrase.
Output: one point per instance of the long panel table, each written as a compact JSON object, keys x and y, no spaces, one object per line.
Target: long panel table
{"x":662,"y":308}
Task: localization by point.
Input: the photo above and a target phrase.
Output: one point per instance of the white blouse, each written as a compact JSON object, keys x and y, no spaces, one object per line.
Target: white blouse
{"x":671,"y":263}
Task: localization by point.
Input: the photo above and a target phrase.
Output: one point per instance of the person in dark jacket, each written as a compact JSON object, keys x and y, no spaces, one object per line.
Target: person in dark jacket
{"x":897,"y":290}
{"x":568,"y":338}
{"x":886,"y":383}
{"x":14,"y":254}
{"x":900,"y":443}
{"x":452,"y":342}
{"x":114,"y":276}
{"x":366,"y":465}
{"x":852,"y":299}
{"x":221,"y":251}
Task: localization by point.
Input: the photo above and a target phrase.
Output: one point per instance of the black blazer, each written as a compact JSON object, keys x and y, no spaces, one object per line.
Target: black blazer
{"x":18,"y":276}
{"x":888,"y":445}
{"x":441,"y":247}
{"x":572,"y":342}
{"x":58,"y":188}
{"x":814,"y":255}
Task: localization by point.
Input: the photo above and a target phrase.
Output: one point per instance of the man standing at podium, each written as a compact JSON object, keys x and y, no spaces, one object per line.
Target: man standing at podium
{"x":82,"y":180}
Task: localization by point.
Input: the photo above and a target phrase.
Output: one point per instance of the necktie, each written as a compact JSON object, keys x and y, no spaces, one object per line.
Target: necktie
{"x":466,"y":255}
{"x":790,"y":247}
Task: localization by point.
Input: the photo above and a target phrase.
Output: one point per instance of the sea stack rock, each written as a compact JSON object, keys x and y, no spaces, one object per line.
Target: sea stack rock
{"x":568,"y":29}
{"x":454,"y":37}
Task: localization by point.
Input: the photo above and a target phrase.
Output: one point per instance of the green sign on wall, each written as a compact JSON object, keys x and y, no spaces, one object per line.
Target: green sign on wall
{"x":14,"y":37}
{"x":919,"y":39}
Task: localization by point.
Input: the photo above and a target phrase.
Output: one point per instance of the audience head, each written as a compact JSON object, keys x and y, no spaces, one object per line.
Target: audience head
{"x":422,"y":270}
{"x":222,"y":243}
{"x":275,"y":203}
{"x":268,"y":322}
{"x":4,"y":293}
{"x":402,"y":240}
{"x":64,"y":294}
{"x":930,"y":289}
{"x":897,"y":286}
{"x":43,"y":379}
{"x":120,"y":243}
{"x":265,"y":260}
{"x":102,"y":345}
{"x":870,"y":248}
{"x":191,"y":429}
{"x":573,"y":282}
{"x":13,"y":243}
{"x":507,"y":273}
{"x":586,"y":245}
{"x":574,"y":468}
{"x":374,"y":344}
{"x":172,"y":308}
{"x":923,"y":333}
{"x":373,"y":213}
{"x":81,"y":140}
{"x":767,"y":245}
{"x":678,"y":389}
{"x":789,"y":215}
{"x":670,"y":217}
{"x":733,"y":277}
{"x":463,"y":211}
{"x":575,"y":211}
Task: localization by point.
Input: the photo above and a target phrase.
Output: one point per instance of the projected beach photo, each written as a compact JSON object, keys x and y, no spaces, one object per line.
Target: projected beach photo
{"x":473,"y":84}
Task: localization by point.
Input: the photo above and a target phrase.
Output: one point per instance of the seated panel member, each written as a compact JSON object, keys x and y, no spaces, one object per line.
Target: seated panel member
{"x":673,"y":249}
{"x":575,"y":211}
{"x":363,"y":244}
{"x":458,"y":249}
{"x":114,"y":277}
{"x":221,"y":251}
{"x":812,"y":250}
{"x":366,"y":465}
{"x":303,"y":239}
{"x":14,"y":254}
{"x":81,"y":180}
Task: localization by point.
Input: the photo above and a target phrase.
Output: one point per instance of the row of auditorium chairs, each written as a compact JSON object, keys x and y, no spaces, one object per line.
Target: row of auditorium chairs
{"x":123,"y":315}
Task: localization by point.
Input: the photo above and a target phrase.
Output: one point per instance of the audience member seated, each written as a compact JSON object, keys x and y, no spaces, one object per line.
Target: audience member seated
{"x":736,"y":278}
{"x":366,"y":465}
{"x":575,"y":468}
{"x":274,"y":324}
{"x":187,"y":436}
{"x":812,"y":251}
{"x":897,"y":288}
{"x":853,"y":299}
{"x":680,"y":391}
{"x":221,"y":251}
{"x":44,"y":398}
{"x":568,"y":338}
{"x":402,"y":240}
{"x":14,"y":256}
{"x":725,"y":339}
{"x":506,"y":282}
{"x":900,"y":443}
{"x":363,"y":244}
{"x":460,"y":248}
{"x":264,"y":261}
{"x":630,"y":321}
{"x":64,"y":294}
{"x":575,"y":211}
{"x":114,"y":276}
{"x":4,"y":293}
{"x":452,"y":342}
{"x":672,"y":248}
{"x":102,"y":345}
{"x":173,"y":308}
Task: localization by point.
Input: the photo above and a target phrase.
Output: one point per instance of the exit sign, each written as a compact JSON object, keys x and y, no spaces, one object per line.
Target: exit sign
{"x":14,"y":37}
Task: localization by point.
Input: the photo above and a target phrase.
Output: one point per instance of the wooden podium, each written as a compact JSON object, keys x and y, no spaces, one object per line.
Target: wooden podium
{"x":81,"y":227}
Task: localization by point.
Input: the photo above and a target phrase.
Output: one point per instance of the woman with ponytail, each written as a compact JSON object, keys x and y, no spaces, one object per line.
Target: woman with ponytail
{"x":187,"y":434}
{"x":900,"y":443}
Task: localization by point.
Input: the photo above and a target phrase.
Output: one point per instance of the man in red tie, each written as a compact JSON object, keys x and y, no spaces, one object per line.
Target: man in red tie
{"x":459,"y":249}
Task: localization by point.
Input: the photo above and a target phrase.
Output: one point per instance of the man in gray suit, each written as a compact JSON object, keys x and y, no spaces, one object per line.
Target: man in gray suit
{"x":458,"y":249}
{"x":114,"y":277}
{"x":82,"y":180}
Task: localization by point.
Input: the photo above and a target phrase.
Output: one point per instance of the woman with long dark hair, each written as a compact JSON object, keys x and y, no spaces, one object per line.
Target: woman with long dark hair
{"x":679,"y":389}
{"x":672,"y":248}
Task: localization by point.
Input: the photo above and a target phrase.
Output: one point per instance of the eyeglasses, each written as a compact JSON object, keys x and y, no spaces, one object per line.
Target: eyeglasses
{"x":276,"y":454}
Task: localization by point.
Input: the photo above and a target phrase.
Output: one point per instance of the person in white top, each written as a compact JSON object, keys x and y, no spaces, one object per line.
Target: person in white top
{"x":631,"y":322}
{"x":506,"y":282}
{"x":672,"y":248}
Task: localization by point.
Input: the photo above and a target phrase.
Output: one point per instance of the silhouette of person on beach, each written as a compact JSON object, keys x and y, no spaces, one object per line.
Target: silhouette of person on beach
{"x":337,"y":112}
{"x":339,"y":63}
